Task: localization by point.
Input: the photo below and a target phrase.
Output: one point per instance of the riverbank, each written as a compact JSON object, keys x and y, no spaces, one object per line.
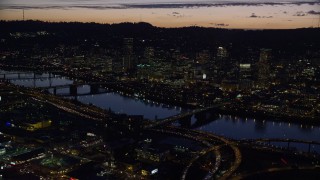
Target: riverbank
{"x":259,"y":115}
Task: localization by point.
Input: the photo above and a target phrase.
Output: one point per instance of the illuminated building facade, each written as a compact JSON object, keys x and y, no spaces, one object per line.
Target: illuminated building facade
{"x":263,"y":67}
{"x":127,"y":62}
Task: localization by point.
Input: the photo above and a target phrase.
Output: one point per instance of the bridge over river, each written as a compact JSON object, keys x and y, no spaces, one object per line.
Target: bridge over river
{"x":183,"y":116}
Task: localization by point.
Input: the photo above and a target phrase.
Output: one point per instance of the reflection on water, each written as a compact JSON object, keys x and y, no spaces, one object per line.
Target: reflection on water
{"x":238,"y":128}
{"x":128,"y":105}
{"x":260,"y":127}
{"x":115,"y":101}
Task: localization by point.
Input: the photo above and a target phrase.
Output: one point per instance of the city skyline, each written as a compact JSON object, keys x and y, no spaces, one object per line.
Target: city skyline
{"x":239,"y":14}
{"x":134,"y":101}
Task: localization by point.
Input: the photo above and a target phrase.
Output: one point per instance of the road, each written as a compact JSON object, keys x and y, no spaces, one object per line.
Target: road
{"x":209,"y":140}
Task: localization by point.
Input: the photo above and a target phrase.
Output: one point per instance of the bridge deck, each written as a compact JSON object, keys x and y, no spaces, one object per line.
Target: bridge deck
{"x":181,"y":116}
{"x":77,"y":84}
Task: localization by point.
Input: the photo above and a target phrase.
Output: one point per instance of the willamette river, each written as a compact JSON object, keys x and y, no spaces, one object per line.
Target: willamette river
{"x":226,"y":125}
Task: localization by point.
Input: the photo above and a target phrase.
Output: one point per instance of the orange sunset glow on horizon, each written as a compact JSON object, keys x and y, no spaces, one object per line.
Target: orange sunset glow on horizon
{"x":239,"y":14}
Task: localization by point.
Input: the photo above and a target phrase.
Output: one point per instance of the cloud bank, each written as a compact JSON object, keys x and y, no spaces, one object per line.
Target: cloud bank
{"x":140,"y":5}
{"x":253,"y":15}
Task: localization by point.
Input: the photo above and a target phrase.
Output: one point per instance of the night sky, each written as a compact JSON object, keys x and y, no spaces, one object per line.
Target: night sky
{"x":244,"y":14}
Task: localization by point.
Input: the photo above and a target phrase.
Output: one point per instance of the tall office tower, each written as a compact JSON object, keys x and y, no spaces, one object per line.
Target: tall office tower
{"x":108,"y":67}
{"x":127,"y":62}
{"x":222,"y":52}
{"x":149,"y":54}
{"x":263,"y":67}
{"x":245,"y":79}
{"x":220,"y":65}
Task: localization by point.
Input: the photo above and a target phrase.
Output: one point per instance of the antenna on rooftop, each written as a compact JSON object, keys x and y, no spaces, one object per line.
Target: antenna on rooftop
{"x":23,"y":14}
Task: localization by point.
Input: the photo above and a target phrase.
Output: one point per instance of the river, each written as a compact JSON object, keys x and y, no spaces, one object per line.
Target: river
{"x":225,"y":125}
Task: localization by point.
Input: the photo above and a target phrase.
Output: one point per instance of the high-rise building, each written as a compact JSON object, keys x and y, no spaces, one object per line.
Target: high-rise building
{"x":245,"y":76}
{"x":263,"y":67}
{"x":245,"y":71}
{"x":127,"y":62}
{"x":149,"y":54}
{"x":222,"y":52}
{"x":108,"y":64}
{"x":220,"y":63}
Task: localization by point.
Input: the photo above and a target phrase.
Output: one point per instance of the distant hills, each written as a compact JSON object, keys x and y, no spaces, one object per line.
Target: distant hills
{"x":198,"y":35}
